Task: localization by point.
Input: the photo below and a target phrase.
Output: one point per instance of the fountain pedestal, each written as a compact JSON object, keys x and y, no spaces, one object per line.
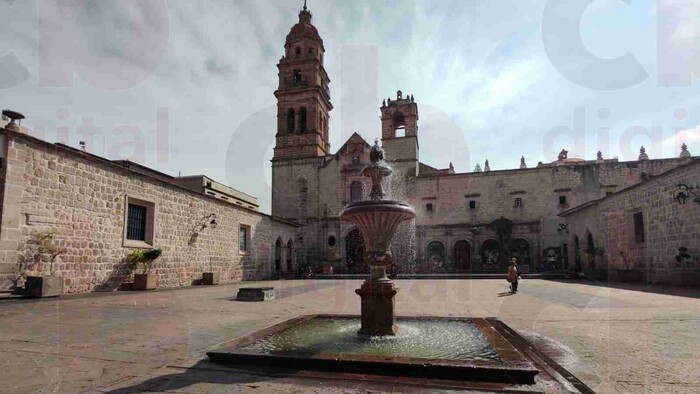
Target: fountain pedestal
{"x":377,"y":308}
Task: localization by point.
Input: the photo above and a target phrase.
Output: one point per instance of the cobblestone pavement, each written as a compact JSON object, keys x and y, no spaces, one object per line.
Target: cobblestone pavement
{"x":617,"y":340}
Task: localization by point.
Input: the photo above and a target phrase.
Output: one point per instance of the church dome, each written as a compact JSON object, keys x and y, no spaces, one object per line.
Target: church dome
{"x":304,"y":29}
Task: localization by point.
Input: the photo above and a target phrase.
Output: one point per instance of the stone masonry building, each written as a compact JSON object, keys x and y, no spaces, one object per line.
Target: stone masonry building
{"x":101,"y":210}
{"x":467,"y":222}
{"x":647,"y":232}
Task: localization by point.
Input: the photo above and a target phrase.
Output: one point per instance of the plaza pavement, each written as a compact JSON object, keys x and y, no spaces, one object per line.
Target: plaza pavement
{"x":616,"y":340}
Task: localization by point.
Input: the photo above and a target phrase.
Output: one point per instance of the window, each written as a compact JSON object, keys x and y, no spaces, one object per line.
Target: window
{"x":136,"y":223}
{"x":139,"y":220}
{"x":243,"y":238}
{"x":472,"y":204}
{"x":297,"y":76}
{"x":562,"y":200}
{"x":302,"y":119}
{"x":291,"y":119}
{"x":429,"y":207}
{"x":311,"y":51}
{"x":518,"y":202}
{"x":331,"y":241}
{"x":208,"y":184}
{"x":399,"y":121}
{"x":298,"y":51}
{"x":639,"y":227}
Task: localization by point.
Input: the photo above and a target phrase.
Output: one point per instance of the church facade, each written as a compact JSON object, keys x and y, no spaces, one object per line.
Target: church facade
{"x":466,"y":222}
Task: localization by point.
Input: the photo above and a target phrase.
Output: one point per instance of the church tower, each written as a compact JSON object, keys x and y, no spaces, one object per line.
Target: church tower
{"x":400,"y":133}
{"x":303,"y":96}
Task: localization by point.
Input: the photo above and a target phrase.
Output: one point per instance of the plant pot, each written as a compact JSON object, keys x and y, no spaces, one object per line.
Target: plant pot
{"x":43,"y":286}
{"x":145,"y":282}
{"x":629,"y":275}
{"x":211,"y":278}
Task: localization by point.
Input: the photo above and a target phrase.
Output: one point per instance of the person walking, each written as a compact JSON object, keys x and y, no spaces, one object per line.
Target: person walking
{"x":513,"y":275}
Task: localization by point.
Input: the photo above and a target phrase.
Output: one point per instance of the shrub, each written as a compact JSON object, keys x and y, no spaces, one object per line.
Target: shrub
{"x":143,"y":258}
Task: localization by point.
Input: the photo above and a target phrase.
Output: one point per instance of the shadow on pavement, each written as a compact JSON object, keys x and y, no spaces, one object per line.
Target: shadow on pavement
{"x":506,"y":294}
{"x":204,"y":372}
{"x":691,"y":292}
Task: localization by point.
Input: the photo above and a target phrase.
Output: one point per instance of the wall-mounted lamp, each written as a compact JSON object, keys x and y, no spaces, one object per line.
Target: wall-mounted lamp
{"x":563,"y":228}
{"x":208,"y":221}
{"x":685,"y":193}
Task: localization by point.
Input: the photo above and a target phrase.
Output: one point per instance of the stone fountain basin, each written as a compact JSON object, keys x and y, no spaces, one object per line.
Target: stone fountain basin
{"x":383,"y":206}
{"x":480,"y":353}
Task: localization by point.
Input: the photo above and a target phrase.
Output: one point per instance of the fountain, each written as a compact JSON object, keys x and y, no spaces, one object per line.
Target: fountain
{"x":475,"y":350}
{"x":378,"y":220}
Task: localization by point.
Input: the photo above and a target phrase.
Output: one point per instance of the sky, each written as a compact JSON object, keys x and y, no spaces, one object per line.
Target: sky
{"x":186,"y":87}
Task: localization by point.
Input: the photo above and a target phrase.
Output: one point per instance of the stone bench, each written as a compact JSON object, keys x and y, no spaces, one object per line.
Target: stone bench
{"x":257,"y":294}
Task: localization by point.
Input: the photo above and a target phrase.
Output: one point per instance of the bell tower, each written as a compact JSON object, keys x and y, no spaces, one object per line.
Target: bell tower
{"x":303,"y":96}
{"x":400,"y":133}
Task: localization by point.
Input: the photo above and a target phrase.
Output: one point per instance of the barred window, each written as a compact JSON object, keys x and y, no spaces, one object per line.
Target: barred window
{"x":139,"y":223}
{"x":518,"y":202}
{"x":243,"y":239}
{"x":136,"y":223}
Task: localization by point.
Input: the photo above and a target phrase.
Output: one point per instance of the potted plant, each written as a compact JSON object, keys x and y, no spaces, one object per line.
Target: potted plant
{"x":144,"y":258}
{"x":47,"y":251}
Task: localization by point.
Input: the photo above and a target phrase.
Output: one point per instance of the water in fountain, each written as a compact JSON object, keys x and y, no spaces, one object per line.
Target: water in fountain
{"x":458,"y":340}
{"x":404,"y":245}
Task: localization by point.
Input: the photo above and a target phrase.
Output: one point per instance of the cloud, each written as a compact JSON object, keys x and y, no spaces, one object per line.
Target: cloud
{"x":690,"y":137}
{"x":479,"y":73}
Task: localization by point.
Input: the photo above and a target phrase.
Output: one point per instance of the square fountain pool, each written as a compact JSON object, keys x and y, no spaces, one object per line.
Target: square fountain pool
{"x":468,"y":349}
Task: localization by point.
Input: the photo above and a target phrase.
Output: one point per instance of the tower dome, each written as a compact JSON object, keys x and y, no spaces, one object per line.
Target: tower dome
{"x":304,"y":29}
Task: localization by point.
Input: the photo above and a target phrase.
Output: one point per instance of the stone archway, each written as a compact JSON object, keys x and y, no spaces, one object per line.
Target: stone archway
{"x":355,"y":252}
{"x":278,"y":256}
{"x":577,"y":253}
{"x":290,"y":261}
{"x":590,"y":251}
{"x":436,"y":257}
{"x":491,"y":255}
{"x":520,"y":249}
{"x":462,"y":255}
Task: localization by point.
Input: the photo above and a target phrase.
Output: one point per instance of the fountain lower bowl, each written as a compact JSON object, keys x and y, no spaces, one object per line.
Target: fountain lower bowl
{"x":463,"y":349}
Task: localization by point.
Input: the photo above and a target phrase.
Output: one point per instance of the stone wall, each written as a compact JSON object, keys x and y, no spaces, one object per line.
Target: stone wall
{"x":668,"y":226}
{"x":83,"y":198}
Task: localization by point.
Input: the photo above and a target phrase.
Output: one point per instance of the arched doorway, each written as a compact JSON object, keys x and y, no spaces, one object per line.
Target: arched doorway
{"x":278,"y":256}
{"x":520,"y":249}
{"x":462,"y":252}
{"x":590,"y":250}
{"x":355,"y":252}
{"x":490,"y":254}
{"x":577,"y":253}
{"x":290,"y":251}
{"x":436,"y":257}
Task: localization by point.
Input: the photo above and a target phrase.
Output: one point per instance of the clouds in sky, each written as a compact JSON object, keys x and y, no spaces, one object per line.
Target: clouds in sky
{"x":194,"y":80}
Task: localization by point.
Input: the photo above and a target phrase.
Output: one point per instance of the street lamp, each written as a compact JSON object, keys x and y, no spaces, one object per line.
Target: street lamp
{"x":685,"y":193}
{"x":208,"y":221}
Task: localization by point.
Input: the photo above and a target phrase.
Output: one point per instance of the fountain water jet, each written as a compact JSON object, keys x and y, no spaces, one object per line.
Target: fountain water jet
{"x":378,"y":220}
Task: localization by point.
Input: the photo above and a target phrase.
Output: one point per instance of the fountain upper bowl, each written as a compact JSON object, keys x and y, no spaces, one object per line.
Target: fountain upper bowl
{"x":383,"y":206}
